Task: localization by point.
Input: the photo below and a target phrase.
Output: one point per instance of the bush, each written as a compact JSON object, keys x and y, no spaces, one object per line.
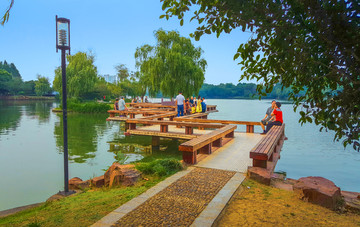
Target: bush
{"x":160,"y":167}
{"x":90,"y":107}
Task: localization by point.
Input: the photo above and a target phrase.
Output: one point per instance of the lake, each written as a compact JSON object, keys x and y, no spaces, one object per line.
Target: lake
{"x":31,"y":158}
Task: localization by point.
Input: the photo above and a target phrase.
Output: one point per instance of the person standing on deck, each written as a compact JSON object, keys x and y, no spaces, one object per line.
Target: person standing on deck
{"x":267,"y":117}
{"x":203,"y":105}
{"x":122,"y":104}
{"x":277,"y":112}
{"x":180,"y":102}
{"x":198,"y":105}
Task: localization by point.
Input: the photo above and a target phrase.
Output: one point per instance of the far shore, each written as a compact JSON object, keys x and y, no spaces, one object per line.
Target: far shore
{"x":24,"y":97}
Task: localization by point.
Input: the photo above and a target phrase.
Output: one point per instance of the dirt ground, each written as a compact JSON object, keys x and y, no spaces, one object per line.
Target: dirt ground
{"x":259,"y":205}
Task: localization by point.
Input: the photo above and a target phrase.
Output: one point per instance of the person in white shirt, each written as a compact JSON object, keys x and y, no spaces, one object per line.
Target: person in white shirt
{"x":180,"y":102}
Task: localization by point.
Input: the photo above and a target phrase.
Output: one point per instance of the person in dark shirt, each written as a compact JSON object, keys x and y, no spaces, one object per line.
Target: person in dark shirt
{"x":203,"y":105}
{"x":187,"y":107}
{"x":191,"y":100}
{"x":116,"y":104}
{"x":277,"y":113}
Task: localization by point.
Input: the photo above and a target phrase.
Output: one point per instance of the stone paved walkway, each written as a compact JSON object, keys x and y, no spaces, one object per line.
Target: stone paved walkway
{"x":193,"y":197}
{"x":181,"y":202}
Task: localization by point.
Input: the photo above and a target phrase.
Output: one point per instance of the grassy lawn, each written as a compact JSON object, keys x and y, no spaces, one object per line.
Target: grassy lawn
{"x":259,"y":205}
{"x":82,"y":209}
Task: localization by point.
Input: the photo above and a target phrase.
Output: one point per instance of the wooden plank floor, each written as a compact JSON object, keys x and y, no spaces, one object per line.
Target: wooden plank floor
{"x":233,"y":156}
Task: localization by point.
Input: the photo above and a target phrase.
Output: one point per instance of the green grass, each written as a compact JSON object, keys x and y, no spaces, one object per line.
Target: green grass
{"x":81,"y":209}
{"x":160,"y":167}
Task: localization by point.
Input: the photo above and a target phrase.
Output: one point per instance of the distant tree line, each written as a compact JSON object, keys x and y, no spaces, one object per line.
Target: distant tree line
{"x":240,"y":91}
{"x":11,"y":82}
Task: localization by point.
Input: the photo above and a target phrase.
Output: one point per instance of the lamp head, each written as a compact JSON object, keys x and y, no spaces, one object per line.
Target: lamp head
{"x":62,"y":33}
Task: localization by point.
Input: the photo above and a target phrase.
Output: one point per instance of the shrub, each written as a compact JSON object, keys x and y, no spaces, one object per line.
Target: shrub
{"x":90,"y":107}
{"x":160,"y":167}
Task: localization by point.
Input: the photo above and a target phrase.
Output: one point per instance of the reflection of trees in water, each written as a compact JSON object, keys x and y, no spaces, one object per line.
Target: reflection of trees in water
{"x":129,"y":145}
{"x":10,"y":116}
{"x":39,"y":109}
{"x":129,"y":148}
{"x":84,"y":130}
{"x":11,"y":112}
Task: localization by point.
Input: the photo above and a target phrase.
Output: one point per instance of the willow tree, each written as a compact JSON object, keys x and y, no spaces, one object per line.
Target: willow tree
{"x":42,"y":85}
{"x":6,"y":15}
{"x":174,"y":64}
{"x":81,"y":75}
{"x":309,"y":46}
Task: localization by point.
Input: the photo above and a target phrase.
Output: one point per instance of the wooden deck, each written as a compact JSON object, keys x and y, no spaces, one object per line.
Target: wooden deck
{"x":204,"y":136}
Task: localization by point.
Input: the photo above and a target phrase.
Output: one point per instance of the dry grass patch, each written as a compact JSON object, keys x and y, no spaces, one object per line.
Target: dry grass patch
{"x":259,"y":205}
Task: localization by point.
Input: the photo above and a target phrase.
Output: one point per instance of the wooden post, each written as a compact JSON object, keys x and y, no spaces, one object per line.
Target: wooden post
{"x":132,"y":125}
{"x":189,"y":157}
{"x":206,"y":149}
{"x":217,"y":143}
{"x":260,"y":163}
{"x":164,"y":128}
{"x":155,"y":143}
{"x":189,"y":130}
{"x":230,"y":135}
{"x":250,"y":128}
{"x":132,"y":115}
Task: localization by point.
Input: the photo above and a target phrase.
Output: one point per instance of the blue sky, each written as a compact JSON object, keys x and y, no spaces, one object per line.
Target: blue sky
{"x":112,"y":30}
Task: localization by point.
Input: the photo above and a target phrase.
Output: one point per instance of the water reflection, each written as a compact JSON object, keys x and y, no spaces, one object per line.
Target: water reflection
{"x":129,"y":149}
{"x":84,"y":131}
{"x":40,"y":110}
{"x":10,"y":115}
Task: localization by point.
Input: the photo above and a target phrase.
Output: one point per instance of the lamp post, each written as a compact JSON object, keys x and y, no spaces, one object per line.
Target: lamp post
{"x":63,"y":43}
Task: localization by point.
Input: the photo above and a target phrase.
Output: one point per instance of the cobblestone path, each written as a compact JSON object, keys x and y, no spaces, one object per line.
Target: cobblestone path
{"x":181,"y":202}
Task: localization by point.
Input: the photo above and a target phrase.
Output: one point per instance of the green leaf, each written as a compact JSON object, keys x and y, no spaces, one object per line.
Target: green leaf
{"x":236,"y":56}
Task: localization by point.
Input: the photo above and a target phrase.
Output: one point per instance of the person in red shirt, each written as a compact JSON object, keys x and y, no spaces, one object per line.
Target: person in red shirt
{"x":277,"y":113}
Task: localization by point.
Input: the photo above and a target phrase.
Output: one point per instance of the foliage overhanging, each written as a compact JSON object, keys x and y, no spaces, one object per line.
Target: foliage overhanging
{"x":310,"y":46}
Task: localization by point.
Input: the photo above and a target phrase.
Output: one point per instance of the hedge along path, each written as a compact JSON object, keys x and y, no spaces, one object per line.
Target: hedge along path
{"x":181,"y":202}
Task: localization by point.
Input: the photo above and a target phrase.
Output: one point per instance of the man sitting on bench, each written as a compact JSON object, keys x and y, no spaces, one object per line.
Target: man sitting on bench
{"x":278,"y":118}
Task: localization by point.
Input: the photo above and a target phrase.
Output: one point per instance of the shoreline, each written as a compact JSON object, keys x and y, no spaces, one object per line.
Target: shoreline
{"x":24,"y":97}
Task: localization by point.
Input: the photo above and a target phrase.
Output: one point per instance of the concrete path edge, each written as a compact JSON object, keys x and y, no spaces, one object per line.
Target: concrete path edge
{"x":208,"y":216}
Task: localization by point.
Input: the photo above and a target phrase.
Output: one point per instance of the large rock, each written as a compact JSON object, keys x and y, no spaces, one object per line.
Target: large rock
{"x":121,"y":175}
{"x":320,"y":191}
{"x":352,"y":200}
{"x":260,"y":175}
{"x":77,"y":183}
{"x":98,"y":181}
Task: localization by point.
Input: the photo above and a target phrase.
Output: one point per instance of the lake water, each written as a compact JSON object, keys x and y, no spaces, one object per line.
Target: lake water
{"x":31,"y":158}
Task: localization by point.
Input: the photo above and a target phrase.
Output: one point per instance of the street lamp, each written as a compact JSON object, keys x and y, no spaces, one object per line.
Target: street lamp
{"x":63,"y":43}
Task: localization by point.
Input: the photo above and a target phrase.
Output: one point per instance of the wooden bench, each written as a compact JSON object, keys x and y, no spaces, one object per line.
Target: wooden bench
{"x":268,"y":149}
{"x":204,"y":143}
